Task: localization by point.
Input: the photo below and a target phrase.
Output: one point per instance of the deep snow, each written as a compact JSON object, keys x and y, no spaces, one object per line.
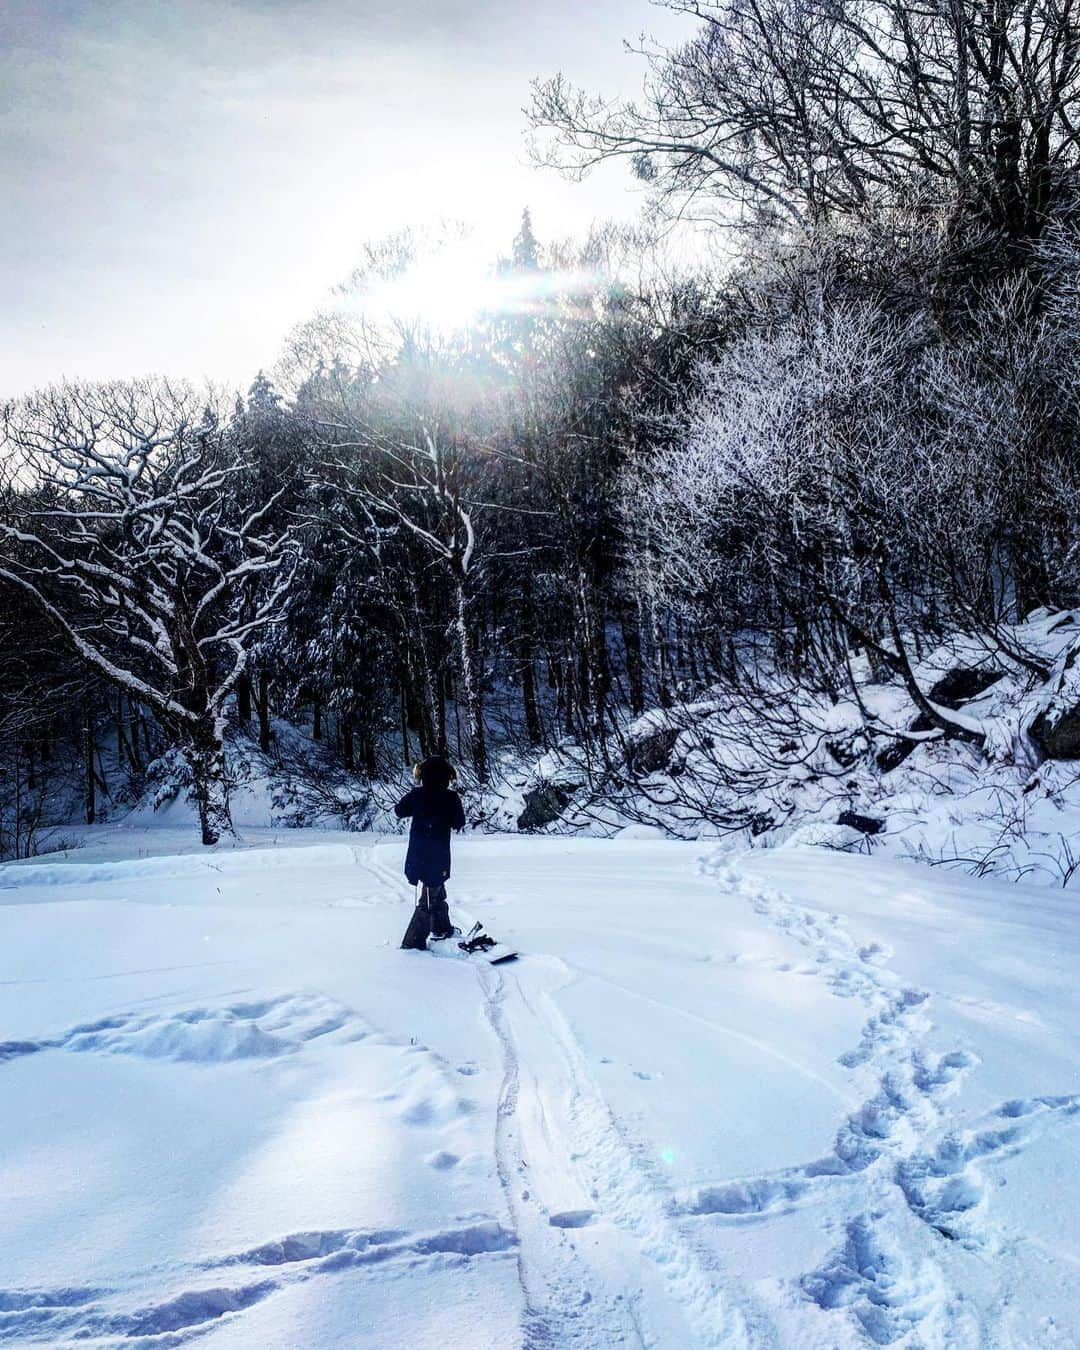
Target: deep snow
{"x":787,"y":1098}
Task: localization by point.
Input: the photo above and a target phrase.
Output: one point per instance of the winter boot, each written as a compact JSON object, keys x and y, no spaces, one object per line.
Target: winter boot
{"x":441,"y":927}
{"x":416,"y":935}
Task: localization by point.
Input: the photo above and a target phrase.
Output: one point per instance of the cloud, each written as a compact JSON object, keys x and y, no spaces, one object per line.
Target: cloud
{"x":185,"y":181}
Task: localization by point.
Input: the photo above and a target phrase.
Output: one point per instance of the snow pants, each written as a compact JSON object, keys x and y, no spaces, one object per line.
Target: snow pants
{"x":430,"y":917}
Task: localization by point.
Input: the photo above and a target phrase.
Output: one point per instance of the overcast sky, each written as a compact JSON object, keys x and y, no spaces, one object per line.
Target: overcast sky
{"x":185,"y":179}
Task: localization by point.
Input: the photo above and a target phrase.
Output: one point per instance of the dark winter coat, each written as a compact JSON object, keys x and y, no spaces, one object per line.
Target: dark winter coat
{"x":435,"y":811}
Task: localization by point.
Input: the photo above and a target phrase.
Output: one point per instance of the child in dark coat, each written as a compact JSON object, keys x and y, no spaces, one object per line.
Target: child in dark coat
{"x":435,"y":810}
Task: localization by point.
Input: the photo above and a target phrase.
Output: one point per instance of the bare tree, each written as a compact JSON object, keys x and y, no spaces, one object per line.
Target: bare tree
{"x":136,"y":531}
{"x":424,"y":485}
{"x":804,"y":497}
{"x":792,"y":110}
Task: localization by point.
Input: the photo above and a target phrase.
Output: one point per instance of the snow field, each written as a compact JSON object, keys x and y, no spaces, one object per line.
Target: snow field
{"x":789,"y":1099}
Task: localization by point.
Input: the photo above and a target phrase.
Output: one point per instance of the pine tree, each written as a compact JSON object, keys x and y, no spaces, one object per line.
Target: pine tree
{"x":526,"y":254}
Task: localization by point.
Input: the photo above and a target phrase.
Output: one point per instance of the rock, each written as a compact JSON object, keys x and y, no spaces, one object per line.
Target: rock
{"x":956,"y":687}
{"x":820,"y":834}
{"x":1056,"y":730}
{"x":864,"y":824}
{"x":1058,"y":738}
{"x":963,"y":683}
{"x":649,"y":753}
{"x":543,"y":804}
{"x":640,"y":832}
{"x":894,"y":755}
{"x":845,"y":753}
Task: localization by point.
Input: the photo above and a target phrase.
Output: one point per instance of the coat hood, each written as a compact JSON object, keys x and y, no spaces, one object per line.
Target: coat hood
{"x":435,"y":772}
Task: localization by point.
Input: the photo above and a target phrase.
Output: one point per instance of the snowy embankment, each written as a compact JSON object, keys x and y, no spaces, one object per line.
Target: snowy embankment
{"x":788,"y":1099}
{"x":780,"y":765}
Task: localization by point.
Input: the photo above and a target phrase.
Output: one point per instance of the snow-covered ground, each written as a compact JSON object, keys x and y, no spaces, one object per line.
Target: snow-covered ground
{"x":787,"y":1099}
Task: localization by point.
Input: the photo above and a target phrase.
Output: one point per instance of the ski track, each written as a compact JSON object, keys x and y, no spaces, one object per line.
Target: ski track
{"x":911,"y":1181}
{"x":205,"y":1292}
{"x":559,"y":1307}
{"x":394,"y":883}
{"x":617,"y":1268}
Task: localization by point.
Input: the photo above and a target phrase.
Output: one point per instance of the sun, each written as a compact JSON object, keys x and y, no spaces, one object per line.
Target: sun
{"x":444,"y":291}
{"x":446,"y":287}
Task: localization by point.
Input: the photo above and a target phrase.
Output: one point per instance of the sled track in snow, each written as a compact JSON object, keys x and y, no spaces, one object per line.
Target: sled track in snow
{"x":612,"y":1266}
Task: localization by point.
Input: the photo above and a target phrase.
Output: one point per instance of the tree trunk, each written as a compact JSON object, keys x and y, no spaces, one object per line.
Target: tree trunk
{"x":426,"y":691}
{"x":440,"y":713}
{"x":133,"y":734}
{"x":470,"y":688}
{"x":406,"y":752}
{"x":416,"y":718}
{"x":533,"y":729}
{"x":206,"y":756}
{"x":565,"y":699}
{"x":691,"y":660}
{"x":243,"y":699}
{"x":528,"y":665}
{"x":432,"y":718}
{"x":18,"y":806}
{"x":1030,"y":586}
{"x":316,"y":721}
{"x":659,"y":646}
{"x":595,"y":677}
{"x":123,"y":749}
{"x":424,"y":710}
{"x":631,"y":628}
{"x":91,"y":780}
{"x":264,"y":712}
{"x":371,"y":762}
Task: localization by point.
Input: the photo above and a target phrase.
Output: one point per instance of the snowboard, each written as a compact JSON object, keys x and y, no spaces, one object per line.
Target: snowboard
{"x":476,"y":945}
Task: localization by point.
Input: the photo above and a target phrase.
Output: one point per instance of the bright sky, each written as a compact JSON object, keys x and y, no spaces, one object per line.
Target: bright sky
{"x":185,"y":179}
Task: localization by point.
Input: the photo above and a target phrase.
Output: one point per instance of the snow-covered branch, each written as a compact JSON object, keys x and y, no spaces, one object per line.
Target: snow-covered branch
{"x":136,"y":531}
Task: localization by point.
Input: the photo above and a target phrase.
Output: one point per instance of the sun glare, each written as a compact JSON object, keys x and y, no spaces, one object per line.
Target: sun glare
{"x":444,"y":291}
{"x":449,"y":289}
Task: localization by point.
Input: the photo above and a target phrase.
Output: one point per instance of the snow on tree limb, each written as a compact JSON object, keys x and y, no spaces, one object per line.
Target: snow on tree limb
{"x":140,"y":531}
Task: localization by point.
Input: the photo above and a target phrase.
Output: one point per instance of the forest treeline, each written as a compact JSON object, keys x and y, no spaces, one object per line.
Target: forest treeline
{"x":846,"y":427}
